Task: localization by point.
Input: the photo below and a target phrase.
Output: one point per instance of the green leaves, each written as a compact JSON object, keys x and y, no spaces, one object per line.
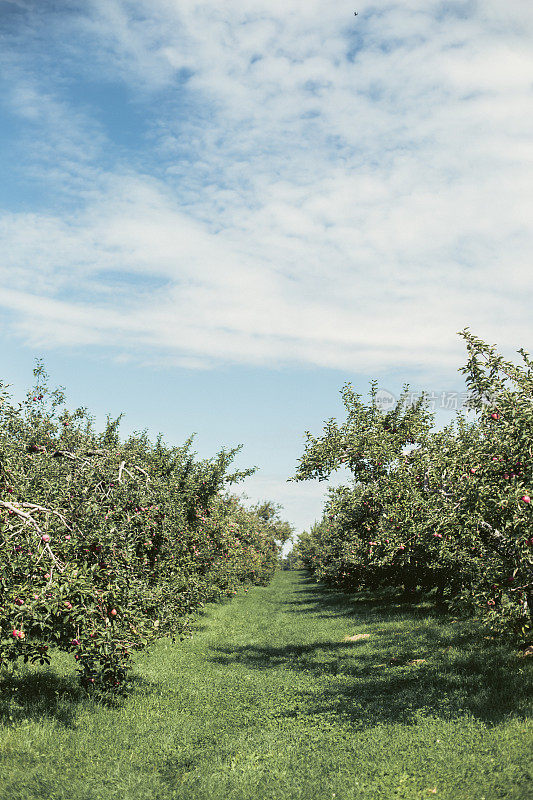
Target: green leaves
{"x":447,"y":514}
{"x":369,"y":442}
{"x":144,"y":530}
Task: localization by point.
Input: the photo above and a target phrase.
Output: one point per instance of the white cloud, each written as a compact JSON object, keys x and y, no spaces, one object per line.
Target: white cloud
{"x":344,"y":192}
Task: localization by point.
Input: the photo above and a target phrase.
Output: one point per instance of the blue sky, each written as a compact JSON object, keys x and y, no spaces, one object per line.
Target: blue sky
{"x":213,"y":215}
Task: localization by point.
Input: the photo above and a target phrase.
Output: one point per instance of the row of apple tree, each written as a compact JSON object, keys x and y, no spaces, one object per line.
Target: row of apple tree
{"x":106,"y":545}
{"x":447,"y":512}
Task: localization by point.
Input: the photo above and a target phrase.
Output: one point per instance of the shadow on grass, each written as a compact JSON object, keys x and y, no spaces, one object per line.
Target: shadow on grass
{"x":43,"y":694}
{"x":327,"y":604}
{"x":397,"y":674}
{"x":39,"y":695}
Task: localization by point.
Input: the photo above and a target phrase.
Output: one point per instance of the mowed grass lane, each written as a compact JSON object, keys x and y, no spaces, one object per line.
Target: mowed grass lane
{"x":268,"y":700}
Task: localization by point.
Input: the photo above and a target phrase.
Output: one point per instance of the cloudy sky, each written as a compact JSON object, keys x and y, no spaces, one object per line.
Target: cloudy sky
{"x":215,"y":214}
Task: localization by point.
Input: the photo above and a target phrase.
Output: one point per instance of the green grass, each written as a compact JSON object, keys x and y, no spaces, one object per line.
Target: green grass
{"x":267,"y":700}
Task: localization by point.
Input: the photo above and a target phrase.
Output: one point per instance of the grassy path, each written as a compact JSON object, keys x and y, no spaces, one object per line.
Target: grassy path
{"x":268,"y":700}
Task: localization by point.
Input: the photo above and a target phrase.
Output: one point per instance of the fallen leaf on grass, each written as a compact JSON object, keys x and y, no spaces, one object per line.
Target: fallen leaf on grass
{"x":356,"y":637}
{"x":527,"y":652}
{"x":418,"y":661}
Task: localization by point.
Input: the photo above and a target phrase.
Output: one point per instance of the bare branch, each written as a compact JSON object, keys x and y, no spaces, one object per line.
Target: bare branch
{"x":66,"y":454}
{"x":21,"y":514}
{"x":28,"y":518}
{"x":59,"y":564}
{"x":121,"y":469}
{"x":48,"y":511}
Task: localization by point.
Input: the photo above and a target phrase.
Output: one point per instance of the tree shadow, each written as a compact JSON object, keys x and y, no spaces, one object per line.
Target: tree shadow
{"x":484,"y":685}
{"x":39,"y":695}
{"x":44,"y":695}
{"x":327,"y":603}
{"x":394,"y":675}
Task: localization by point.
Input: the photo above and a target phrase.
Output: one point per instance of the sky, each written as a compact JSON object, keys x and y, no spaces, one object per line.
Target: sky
{"x":213,"y":215}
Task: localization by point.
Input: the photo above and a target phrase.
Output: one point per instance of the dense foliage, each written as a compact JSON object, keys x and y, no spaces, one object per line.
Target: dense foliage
{"x":445,"y":511}
{"x":106,"y":545}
